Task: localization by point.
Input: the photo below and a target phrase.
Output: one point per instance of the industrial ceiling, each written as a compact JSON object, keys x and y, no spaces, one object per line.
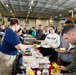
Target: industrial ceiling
{"x":37,"y":8}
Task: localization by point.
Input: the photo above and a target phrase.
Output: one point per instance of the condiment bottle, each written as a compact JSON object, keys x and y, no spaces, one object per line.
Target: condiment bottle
{"x":45,"y":71}
{"x":51,"y":70}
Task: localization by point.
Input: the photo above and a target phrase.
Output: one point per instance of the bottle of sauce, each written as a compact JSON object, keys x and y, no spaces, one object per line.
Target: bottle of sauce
{"x":51,"y":70}
{"x":45,"y":71}
{"x":38,"y":72}
{"x":56,"y":67}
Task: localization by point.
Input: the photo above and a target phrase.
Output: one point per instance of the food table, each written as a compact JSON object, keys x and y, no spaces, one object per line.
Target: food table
{"x":34,"y":61}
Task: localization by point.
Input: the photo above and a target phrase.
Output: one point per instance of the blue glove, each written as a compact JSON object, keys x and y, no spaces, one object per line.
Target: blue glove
{"x":20,"y":51}
{"x":28,"y":48}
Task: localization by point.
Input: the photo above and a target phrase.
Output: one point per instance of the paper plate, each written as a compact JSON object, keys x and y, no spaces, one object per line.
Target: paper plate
{"x":45,"y":46}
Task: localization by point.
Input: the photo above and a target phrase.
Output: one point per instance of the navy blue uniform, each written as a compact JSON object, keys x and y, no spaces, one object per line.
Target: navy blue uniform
{"x":10,"y":40}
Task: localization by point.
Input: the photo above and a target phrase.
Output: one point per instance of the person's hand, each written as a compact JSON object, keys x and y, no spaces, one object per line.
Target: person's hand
{"x":63,"y":68}
{"x":67,"y":51}
{"x":58,"y":74}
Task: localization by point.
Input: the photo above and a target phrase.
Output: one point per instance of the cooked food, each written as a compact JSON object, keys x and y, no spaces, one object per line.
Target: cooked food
{"x":62,"y":49}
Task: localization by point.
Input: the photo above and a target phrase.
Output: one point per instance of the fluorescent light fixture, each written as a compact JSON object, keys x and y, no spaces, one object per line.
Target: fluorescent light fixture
{"x":10,"y":10}
{"x":6,"y":5}
{"x":30,"y":7}
{"x":60,"y":15}
{"x":32,"y":2}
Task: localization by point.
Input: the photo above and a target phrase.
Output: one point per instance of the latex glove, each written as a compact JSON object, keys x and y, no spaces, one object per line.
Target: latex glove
{"x":21,"y":51}
{"x":28,"y":48}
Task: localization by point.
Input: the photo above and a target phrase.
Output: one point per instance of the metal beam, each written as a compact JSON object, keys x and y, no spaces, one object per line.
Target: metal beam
{"x":12,"y":7}
{"x":4,"y":6}
{"x":20,"y":8}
